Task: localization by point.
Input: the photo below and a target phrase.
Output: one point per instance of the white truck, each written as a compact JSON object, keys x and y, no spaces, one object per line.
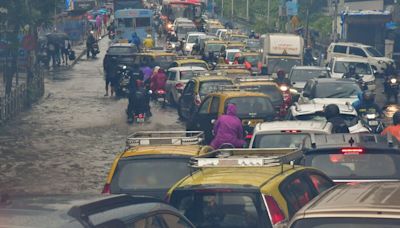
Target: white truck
{"x":281,"y":51}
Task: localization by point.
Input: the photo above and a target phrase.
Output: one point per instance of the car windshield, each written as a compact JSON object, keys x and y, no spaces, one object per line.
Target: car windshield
{"x":282,"y":64}
{"x":361,"y":68}
{"x":292,"y":140}
{"x":189,"y":74}
{"x":238,"y":38}
{"x":302,"y":75}
{"x":148,"y":173}
{"x":185,"y":30}
{"x":350,"y":120}
{"x":214,"y":47}
{"x":121,"y":50}
{"x":253,"y":44}
{"x":194,"y":64}
{"x":231,"y":56}
{"x":252,"y":106}
{"x":337,"y":90}
{"x":373,"y":52}
{"x":192,"y":38}
{"x":164,"y":60}
{"x":207,"y":208}
{"x":253,"y":59}
{"x":211,"y":86}
{"x":272,"y":91}
{"x":346,"y":222}
{"x":367,"y":165}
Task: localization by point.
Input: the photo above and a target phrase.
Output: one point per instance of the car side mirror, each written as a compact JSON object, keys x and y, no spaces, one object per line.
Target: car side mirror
{"x":293,"y":83}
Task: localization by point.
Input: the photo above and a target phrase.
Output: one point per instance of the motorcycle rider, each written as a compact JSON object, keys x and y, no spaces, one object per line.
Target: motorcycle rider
{"x":111,"y":30}
{"x":90,"y":41}
{"x":395,"y":128}
{"x":252,"y":35}
{"x":281,"y":78}
{"x":110,"y":65}
{"x":228,"y":129}
{"x":148,"y":42}
{"x":134,"y":82}
{"x":332,"y":115}
{"x":158,"y":80}
{"x":351,"y":73}
{"x":367,"y":104}
{"x":390,"y":73}
{"x":308,"y":57}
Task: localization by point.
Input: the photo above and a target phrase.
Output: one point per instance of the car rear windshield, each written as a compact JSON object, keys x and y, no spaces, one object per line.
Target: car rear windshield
{"x":272,"y":91}
{"x":300,"y":75}
{"x":252,"y":59}
{"x":211,"y":86}
{"x":364,"y":165}
{"x":214,"y":47}
{"x":252,"y":106}
{"x":231,"y":56}
{"x":164,"y":60}
{"x":343,"y":67}
{"x":149,"y":173}
{"x":350,"y":120}
{"x":193,"y":64}
{"x":346,"y":222}
{"x":217,"y":208}
{"x":337,"y":90}
{"x":282,"y":64}
{"x":292,"y":140}
{"x":189,"y":74}
{"x":121,"y":50}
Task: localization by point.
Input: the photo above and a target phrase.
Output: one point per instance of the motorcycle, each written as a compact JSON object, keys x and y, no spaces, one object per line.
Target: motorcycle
{"x":287,"y":99}
{"x":391,"y":88}
{"x":123,"y":75}
{"x":95,"y":49}
{"x":160,"y":95}
{"x":139,"y":114}
{"x":372,"y":123}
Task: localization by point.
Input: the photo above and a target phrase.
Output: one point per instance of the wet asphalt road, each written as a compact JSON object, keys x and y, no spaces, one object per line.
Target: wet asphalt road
{"x":67,"y":142}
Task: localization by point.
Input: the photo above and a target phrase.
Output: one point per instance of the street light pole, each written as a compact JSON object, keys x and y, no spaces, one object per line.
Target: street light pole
{"x":222,"y":8}
{"x":232,"y":10}
{"x":247,"y":9}
{"x":268,"y":9}
{"x":335,"y":14}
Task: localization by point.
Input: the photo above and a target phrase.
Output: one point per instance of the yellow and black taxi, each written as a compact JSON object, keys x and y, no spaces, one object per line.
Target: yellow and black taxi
{"x":155,"y":58}
{"x":240,"y":38}
{"x":252,"y":108}
{"x":235,"y":45}
{"x":189,"y":62}
{"x":373,"y":204}
{"x":354,"y":157}
{"x":196,"y":90}
{"x":247,"y":188}
{"x":153,"y":162}
{"x":266,"y":86}
{"x":233,"y":71}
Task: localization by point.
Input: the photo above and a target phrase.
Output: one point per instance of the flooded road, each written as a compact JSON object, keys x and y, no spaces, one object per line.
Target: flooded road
{"x":66,"y":142}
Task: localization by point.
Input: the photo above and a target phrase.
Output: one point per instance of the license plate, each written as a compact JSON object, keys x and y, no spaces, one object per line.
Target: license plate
{"x":140,"y":120}
{"x":373,"y":123}
{"x":251,"y":123}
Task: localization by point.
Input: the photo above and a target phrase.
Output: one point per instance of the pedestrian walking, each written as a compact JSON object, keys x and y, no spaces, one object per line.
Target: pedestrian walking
{"x":65,"y":51}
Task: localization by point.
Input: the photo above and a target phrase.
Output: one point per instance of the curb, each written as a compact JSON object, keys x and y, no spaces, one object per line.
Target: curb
{"x":78,"y":58}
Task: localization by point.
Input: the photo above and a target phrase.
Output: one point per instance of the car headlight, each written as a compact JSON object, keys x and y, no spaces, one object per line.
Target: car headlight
{"x":283,"y":88}
{"x":393,"y":80}
{"x":173,"y":45}
{"x":124,"y":67}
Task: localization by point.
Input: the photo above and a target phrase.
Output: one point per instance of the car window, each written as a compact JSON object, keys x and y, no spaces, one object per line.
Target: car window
{"x":300,"y":75}
{"x":297,"y":193}
{"x":271,"y":90}
{"x":320,"y":183}
{"x":204,"y":107}
{"x":171,"y":75}
{"x":340,"y":49}
{"x":361,"y":68}
{"x":373,"y":52}
{"x":195,"y":64}
{"x":337,"y":90}
{"x":173,"y":221}
{"x":214,"y":105}
{"x":149,"y":222}
{"x":252,"y":107}
{"x":189,"y":74}
{"x":357,"y":51}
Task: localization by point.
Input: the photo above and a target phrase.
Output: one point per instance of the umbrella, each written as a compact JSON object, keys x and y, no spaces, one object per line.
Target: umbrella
{"x":57,"y":37}
{"x":102,"y":11}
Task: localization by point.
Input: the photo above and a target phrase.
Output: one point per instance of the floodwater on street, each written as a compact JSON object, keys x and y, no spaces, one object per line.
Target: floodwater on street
{"x":67,"y":142}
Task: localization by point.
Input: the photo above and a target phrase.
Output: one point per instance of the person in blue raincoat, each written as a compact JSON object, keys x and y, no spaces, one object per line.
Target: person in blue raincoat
{"x":135,"y":40}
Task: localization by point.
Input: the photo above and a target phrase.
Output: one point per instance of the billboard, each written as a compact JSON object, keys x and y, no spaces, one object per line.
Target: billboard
{"x":69,"y":5}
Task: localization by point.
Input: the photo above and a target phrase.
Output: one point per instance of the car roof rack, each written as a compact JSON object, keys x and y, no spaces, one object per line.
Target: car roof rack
{"x":249,"y":157}
{"x":151,"y":138}
{"x":233,"y":66}
{"x":255,"y":79}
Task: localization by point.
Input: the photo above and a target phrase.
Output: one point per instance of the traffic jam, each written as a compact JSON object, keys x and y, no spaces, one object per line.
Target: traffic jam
{"x":272,"y":136}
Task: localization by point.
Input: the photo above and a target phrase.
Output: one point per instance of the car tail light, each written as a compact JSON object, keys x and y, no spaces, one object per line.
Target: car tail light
{"x":161,"y":91}
{"x":179,"y":86}
{"x":249,"y":136}
{"x":106,"y":189}
{"x":290,"y":131}
{"x":335,"y":158}
{"x":352,"y":150}
{"x":274,"y":211}
{"x":197,"y":100}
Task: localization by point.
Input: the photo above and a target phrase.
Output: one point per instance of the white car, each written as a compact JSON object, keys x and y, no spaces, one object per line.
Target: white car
{"x":338,"y":66}
{"x":286,"y":134}
{"x":191,"y":39}
{"x":177,"y":77}
{"x":315,"y":112}
{"x":330,"y":91}
{"x":230,"y":55}
{"x":369,"y":53}
{"x":221,"y":33}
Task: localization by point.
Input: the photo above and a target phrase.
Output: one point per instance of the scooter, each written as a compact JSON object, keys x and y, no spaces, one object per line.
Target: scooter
{"x":391,"y":88}
{"x":160,"y":95}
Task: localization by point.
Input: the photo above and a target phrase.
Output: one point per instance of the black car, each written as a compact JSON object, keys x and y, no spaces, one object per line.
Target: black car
{"x":117,"y":211}
{"x":354,"y":157}
{"x":122,"y":53}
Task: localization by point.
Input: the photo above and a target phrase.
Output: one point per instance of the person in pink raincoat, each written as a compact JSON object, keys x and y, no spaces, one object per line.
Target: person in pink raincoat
{"x":228,"y":129}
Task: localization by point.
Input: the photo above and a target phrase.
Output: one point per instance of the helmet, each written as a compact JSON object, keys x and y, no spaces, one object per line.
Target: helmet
{"x":331,"y":110}
{"x":396,"y":118}
{"x":280,"y":73}
{"x":368,"y":97}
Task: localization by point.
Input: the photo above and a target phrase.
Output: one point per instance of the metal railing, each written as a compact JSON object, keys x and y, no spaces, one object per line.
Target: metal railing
{"x":21,"y":97}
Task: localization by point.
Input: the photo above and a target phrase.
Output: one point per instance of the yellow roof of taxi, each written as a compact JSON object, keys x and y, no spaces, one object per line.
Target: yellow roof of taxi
{"x":184,"y":150}
{"x":157,"y":53}
{"x":238,"y":94}
{"x":211,"y":78}
{"x":255,"y":176}
{"x":255,"y":83}
{"x":215,"y":42}
{"x":182,"y":61}
{"x":356,"y":198}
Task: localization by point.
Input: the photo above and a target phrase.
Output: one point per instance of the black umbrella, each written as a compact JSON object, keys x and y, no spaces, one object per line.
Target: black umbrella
{"x":57,"y":37}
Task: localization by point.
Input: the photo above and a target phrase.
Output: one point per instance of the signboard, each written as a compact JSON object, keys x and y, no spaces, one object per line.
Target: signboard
{"x":292,"y":8}
{"x":84,"y":4}
{"x":69,"y":5}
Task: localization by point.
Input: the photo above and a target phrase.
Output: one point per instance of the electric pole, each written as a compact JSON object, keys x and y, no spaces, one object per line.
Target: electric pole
{"x":335,"y":14}
{"x":268,"y":9}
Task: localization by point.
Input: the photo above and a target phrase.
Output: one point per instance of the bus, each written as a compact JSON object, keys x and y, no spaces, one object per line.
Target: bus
{"x":128,"y":4}
{"x":191,"y":9}
{"x":128,"y":21}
